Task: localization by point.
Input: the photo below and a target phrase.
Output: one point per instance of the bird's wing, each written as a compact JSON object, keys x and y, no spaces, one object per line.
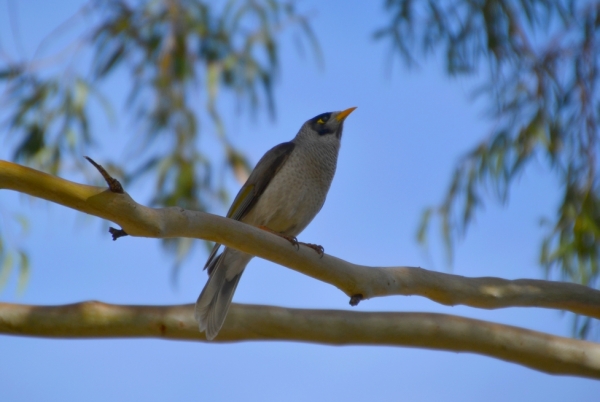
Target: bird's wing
{"x":266,"y":168}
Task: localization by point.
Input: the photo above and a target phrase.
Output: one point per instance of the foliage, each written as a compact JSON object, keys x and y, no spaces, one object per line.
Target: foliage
{"x":11,"y":255}
{"x":542,"y":59}
{"x":177,"y":55}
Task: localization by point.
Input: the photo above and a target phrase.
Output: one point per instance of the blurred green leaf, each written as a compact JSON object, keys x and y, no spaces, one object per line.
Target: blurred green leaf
{"x":6,"y":266}
{"x":23,"y":271}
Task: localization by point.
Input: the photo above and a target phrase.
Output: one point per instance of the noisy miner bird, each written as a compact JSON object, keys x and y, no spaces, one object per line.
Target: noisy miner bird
{"x":283,"y":194}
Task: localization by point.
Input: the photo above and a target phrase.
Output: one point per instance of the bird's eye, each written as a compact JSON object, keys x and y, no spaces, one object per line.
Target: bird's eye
{"x":322,"y":119}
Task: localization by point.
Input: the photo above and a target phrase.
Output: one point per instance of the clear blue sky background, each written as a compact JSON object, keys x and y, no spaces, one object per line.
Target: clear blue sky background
{"x":397,"y":154}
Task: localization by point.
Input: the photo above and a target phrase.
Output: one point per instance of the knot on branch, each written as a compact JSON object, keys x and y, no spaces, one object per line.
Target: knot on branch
{"x":354,"y":300}
{"x":116,"y":233}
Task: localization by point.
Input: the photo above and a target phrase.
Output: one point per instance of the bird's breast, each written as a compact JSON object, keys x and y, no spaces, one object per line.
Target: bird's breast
{"x":296,"y":193}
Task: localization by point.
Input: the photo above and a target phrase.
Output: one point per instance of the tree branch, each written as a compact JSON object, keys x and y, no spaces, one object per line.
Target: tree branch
{"x":354,"y":280}
{"x":547,"y":353}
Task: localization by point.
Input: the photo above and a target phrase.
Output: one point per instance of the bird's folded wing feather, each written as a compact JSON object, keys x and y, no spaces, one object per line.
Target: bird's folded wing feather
{"x":266,"y":168}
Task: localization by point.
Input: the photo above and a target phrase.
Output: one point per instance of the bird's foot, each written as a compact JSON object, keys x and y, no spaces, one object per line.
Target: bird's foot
{"x":294,"y":241}
{"x":318,"y":248}
{"x":291,"y":239}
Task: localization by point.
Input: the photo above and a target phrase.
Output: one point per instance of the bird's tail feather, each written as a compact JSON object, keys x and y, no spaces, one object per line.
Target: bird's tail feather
{"x":213,"y":303}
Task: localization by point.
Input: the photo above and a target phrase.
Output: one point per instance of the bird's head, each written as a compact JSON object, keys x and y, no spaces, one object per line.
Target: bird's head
{"x":325,"y":127}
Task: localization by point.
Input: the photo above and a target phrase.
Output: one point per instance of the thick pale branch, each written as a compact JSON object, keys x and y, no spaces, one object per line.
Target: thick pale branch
{"x":550,"y":354}
{"x":352,"y":279}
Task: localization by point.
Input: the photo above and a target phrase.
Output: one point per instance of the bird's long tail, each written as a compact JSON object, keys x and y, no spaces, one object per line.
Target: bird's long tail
{"x":213,"y":303}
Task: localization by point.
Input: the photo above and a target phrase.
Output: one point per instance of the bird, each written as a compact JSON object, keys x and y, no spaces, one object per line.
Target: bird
{"x":284,"y":192}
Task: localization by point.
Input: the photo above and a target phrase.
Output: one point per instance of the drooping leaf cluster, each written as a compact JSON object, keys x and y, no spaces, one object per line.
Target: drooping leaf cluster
{"x":541,"y":60}
{"x":178,"y":57}
{"x":12,"y":255}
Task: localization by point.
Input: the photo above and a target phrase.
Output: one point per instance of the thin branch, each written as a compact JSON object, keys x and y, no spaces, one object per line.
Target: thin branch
{"x":547,"y":353}
{"x":357,"y":281}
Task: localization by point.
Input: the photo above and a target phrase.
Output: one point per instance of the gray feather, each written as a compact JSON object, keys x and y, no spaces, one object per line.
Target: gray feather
{"x":257,"y":182}
{"x":213,"y":303}
{"x":211,"y":258}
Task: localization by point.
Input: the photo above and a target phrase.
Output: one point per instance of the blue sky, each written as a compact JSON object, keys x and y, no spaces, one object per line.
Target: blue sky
{"x":397,"y":153}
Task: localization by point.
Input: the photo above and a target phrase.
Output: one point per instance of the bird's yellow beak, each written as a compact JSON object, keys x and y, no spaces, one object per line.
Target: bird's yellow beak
{"x":342,"y":115}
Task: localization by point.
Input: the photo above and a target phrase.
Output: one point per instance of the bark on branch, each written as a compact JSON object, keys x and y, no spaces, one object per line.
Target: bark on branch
{"x":547,"y":353}
{"x":352,"y":279}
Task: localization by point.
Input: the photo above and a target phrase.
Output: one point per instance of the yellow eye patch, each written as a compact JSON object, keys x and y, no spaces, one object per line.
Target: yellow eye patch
{"x":321,"y":121}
